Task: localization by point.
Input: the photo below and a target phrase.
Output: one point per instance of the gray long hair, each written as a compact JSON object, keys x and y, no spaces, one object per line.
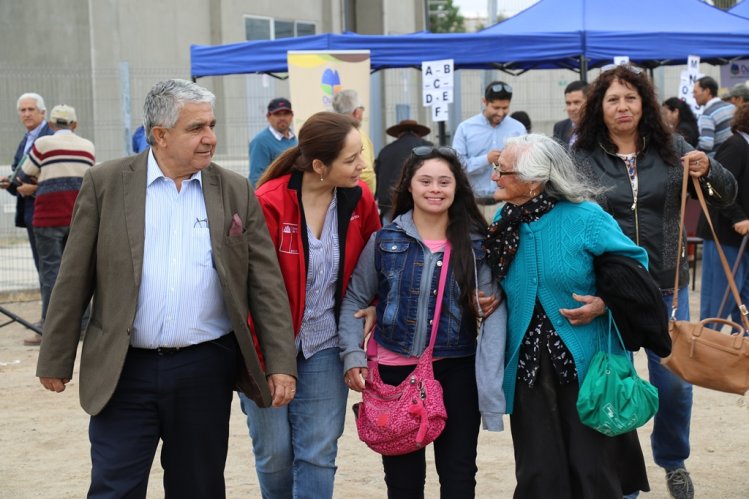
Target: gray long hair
{"x":167,"y":98}
{"x":542,"y":159}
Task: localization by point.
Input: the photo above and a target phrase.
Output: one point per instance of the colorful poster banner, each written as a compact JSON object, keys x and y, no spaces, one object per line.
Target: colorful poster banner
{"x":315,"y":77}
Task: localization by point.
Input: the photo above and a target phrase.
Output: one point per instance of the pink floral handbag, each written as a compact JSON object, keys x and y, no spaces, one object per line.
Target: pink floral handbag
{"x":395,"y":420}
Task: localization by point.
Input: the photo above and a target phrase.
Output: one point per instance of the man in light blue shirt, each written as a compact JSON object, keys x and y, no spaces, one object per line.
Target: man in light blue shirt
{"x":480,"y":139}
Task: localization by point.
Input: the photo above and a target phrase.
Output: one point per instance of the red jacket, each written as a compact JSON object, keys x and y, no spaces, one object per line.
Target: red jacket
{"x":357,"y":220}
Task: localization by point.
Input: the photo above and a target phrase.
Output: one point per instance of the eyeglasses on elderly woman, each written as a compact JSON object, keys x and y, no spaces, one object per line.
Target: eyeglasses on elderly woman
{"x":501,"y":173}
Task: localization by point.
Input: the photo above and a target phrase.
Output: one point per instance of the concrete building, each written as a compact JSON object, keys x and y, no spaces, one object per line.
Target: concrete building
{"x":102,"y":56}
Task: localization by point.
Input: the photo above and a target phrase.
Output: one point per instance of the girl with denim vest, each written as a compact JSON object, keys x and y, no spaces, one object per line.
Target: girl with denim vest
{"x":433,"y":207}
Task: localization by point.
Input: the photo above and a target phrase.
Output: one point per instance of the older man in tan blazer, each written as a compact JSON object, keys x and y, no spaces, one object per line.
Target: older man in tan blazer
{"x":175,"y":252}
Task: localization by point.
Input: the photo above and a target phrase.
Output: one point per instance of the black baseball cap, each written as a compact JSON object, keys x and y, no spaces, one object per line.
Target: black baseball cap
{"x":279,"y":104}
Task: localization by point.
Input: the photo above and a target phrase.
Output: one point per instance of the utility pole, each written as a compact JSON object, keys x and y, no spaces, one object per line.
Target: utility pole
{"x":491,"y":11}
{"x":491,"y":18}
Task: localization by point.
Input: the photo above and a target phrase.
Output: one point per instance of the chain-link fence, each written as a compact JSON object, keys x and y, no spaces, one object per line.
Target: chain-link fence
{"x":108,"y":101}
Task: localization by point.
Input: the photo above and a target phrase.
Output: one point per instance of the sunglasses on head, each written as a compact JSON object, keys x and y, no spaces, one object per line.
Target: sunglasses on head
{"x":609,"y":67}
{"x":422,"y":151}
{"x":501,"y":87}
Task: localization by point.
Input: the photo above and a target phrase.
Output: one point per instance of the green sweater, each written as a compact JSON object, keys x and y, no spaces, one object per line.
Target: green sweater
{"x":554,"y":260}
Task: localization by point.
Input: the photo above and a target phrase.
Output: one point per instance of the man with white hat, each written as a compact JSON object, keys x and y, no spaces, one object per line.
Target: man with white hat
{"x":389,"y":162}
{"x":54,"y":173}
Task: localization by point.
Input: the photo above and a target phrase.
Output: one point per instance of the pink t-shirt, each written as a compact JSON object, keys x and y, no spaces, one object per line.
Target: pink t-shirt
{"x":390,"y":358}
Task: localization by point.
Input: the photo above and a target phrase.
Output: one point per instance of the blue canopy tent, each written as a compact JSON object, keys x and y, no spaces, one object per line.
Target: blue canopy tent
{"x":571,"y":34}
{"x":663,"y":32}
{"x":742,"y":9}
{"x":469,"y":51}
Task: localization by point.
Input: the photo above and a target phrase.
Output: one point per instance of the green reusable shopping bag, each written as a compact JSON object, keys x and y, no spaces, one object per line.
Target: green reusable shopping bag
{"x":613,"y":399}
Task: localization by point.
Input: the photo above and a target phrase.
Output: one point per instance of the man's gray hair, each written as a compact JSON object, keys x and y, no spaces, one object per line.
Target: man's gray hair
{"x":346,"y":101}
{"x":37,"y":98}
{"x":539,"y":158}
{"x":165,"y":101}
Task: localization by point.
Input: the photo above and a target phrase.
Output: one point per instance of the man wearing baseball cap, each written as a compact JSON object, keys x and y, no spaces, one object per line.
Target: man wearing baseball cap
{"x":54,"y":173}
{"x":739,"y":94}
{"x":273,"y":140}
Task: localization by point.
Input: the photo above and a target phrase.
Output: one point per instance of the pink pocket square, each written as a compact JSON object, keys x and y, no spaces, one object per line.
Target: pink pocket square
{"x":236,"y":228}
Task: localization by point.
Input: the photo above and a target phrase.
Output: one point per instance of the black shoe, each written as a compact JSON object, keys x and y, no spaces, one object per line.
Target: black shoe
{"x":680,"y":484}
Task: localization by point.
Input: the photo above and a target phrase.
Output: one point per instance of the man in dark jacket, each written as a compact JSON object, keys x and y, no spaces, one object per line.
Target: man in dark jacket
{"x":574,"y":98}
{"x":31,"y":112}
{"x":389,"y":162}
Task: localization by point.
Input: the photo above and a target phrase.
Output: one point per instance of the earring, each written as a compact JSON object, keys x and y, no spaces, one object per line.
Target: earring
{"x":322,"y":179}
{"x":532,"y":193}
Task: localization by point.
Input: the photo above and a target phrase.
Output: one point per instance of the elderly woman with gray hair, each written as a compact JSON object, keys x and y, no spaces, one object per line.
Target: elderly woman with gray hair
{"x":541,"y":248}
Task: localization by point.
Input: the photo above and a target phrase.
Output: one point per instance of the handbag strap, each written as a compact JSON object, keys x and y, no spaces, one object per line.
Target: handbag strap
{"x":440,"y":294}
{"x":372,"y":345}
{"x":612,"y":322}
{"x":723,"y":260}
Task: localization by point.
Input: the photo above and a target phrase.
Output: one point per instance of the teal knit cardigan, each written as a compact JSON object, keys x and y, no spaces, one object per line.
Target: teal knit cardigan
{"x":554,"y":260}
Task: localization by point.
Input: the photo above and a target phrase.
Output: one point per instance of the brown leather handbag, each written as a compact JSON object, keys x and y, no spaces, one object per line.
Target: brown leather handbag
{"x":701,"y":355}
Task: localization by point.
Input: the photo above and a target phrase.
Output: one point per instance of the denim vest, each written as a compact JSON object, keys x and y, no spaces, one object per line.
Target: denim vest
{"x":404,"y":312}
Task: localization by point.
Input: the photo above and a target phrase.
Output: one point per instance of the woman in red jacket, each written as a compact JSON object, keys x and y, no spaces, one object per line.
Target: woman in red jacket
{"x":320,"y":216}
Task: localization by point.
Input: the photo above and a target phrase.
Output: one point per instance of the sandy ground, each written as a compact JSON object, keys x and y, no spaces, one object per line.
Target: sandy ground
{"x":44,"y":450}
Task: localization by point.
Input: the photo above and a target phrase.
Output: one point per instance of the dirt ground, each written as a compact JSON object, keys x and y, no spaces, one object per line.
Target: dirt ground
{"x":44,"y":450}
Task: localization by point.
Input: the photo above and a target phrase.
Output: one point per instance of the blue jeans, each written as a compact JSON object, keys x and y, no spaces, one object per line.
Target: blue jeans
{"x":670,"y":437}
{"x":50,"y":243}
{"x":295,"y":446}
{"x":714,"y":282}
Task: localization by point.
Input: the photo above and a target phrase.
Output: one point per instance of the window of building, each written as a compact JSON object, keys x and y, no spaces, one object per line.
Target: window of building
{"x":258,"y":28}
{"x":266,"y":28}
{"x":305,"y":29}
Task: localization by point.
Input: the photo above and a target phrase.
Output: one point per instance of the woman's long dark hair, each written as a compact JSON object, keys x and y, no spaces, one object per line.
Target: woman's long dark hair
{"x":321,"y":137}
{"x":464,"y":219}
{"x":652,"y":130}
{"x":687,"y":125}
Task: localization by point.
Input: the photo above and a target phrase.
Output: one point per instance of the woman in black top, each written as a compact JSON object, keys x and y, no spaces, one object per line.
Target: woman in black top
{"x":679,"y":116}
